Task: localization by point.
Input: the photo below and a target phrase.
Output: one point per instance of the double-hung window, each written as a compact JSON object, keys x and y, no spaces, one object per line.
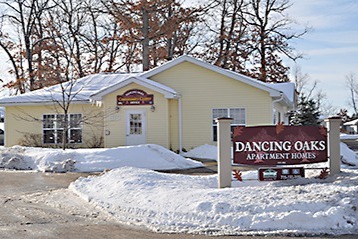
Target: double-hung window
{"x":54,"y":126}
{"x":237,"y":114}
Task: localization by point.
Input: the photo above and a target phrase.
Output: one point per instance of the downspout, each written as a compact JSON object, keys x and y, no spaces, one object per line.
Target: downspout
{"x":273,"y":105}
{"x":180,"y":113}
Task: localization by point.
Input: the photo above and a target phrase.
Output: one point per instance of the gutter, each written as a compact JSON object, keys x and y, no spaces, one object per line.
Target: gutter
{"x":39,"y":103}
{"x":180,"y":118}
{"x":280,"y":99}
{"x":273,"y":105}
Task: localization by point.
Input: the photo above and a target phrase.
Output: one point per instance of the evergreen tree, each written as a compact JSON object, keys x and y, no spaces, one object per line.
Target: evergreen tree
{"x":307,"y":112}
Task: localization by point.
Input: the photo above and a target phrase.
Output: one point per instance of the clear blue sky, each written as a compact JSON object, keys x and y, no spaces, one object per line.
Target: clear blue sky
{"x":331,"y":48}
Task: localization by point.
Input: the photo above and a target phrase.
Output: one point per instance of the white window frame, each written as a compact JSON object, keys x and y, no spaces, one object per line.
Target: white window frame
{"x":57,"y":128}
{"x":228,"y":114}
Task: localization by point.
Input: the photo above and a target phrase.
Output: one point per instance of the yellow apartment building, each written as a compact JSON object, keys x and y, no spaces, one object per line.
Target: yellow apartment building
{"x":173,"y":105}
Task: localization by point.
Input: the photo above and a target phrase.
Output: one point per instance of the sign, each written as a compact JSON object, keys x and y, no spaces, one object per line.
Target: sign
{"x":267,"y":174}
{"x":280,"y":145}
{"x":135,"y":97}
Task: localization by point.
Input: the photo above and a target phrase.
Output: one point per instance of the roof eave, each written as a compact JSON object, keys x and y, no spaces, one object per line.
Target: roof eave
{"x":99,"y":95}
{"x":285,"y":101}
{"x":37,"y":103}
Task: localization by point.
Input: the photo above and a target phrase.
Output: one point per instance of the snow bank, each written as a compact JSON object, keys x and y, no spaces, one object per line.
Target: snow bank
{"x":192,"y":204}
{"x":348,"y":156}
{"x":205,"y":151}
{"x":91,"y":160}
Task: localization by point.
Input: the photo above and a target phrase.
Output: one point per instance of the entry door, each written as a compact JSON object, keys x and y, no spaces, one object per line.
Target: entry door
{"x":136,"y":130}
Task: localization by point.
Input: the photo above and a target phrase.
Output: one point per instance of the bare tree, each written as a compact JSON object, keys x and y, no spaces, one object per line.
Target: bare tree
{"x":25,"y":16}
{"x":9,"y":47}
{"x":304,"y":83}
{"x":309,"y":88}
{"x":232,"y":34}
{"x":271,"y":33}
{"x":352,"y":86}
{"x":154,"y":25}
{"x":65,"y":127}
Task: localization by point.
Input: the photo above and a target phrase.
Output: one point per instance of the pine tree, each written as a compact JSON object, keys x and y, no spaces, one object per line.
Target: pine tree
{"x":307,"y":112}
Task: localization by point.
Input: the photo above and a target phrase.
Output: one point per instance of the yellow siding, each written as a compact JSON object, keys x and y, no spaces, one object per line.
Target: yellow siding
{"x":24,"y":120}
{"x":203,"y":90}
{"x":157,"y":125}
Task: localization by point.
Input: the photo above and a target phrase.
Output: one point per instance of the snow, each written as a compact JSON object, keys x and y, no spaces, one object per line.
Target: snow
{"x":348,"y":156}
{"x":83,"y":89}
{"x":288,"y":88}
{"x":205,"y":151}
{"x":93,"y":160}
{"x":192,"y":204}
{"x":353,"y":122}
{"x":171,"y":203}
{"x":133,"y":194}
{"x":87,"y":89}
{"x":349,"y":136}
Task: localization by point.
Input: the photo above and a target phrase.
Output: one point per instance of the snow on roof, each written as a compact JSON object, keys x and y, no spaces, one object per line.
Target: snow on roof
{"x":288,"y":88}
{"x":93,"y":87}
{"x":80,"y":89}
{"x":165,"y":90}
{"x":83,"y":89}
{"x":353,"y":122}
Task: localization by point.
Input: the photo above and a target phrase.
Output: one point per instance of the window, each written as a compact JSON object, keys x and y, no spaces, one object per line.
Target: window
{"x":54,"y":126}
{"x":237,"y":114}
{"x":135,"y":124}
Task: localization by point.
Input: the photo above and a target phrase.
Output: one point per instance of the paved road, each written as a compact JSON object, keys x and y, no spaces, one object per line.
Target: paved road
{"x":38,"y":205}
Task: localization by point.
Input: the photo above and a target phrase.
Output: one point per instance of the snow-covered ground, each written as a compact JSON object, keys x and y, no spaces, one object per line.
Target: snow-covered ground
{"x":135,"y":194}
{"x":193,"y":204}
{"x":148,"y":156}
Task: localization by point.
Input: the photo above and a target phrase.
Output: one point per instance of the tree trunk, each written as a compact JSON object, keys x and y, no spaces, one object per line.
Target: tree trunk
{"x":145,"y":40}
{"x":222,"y":37}
{"x":65,"y":132}
{"x":263,"y":70}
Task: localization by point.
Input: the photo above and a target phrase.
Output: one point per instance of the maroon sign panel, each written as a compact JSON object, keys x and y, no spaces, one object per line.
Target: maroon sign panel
{"x":135,"y":97}
{"x":280,"y":145}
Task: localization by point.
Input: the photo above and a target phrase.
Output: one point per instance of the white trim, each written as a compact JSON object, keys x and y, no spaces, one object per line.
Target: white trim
{"x":56,"y":128}
{"x":227,"y":115}
{"x":166,"y":91}
{"x":274,"y":108}
{"x":180,"y":113}
{"x":143,"y":112}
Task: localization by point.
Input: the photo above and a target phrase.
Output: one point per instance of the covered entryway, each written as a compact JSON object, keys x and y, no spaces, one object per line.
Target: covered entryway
{"x":135,"y":127}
